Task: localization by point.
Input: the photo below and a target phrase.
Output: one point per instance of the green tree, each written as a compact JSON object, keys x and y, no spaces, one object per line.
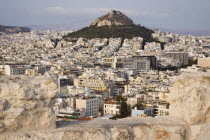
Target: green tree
{"x":119,"y":98}
{"x":124,"y":108}
{"x":140,"y":106}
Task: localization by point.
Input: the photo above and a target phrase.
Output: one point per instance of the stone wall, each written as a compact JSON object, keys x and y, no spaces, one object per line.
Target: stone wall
{"x":26,"y":102}
{"x":117,"y":132}
{"x":190,"y":98}
{"x":188,"y":120}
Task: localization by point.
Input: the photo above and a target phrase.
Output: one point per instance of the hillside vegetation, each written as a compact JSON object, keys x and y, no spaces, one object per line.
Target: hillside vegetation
{"x":123,"y":31}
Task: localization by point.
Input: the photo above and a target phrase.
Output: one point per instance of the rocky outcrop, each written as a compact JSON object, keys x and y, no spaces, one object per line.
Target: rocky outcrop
{"x":112,"y":18}
{"x":198,"y":132}
{"x":26,"y":103}
{"x":189,"y":93}
{"x":190,"y":98}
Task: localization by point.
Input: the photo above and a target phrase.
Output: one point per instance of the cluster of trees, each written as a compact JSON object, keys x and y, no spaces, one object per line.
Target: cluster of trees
{"x":140,"y":105}
{"x":125,"y":109}
{"x":192,"y":62}
{"x":170,"y":67}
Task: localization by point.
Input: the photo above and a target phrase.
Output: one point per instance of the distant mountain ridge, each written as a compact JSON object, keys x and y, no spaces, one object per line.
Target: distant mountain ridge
{"x":13,"y":29}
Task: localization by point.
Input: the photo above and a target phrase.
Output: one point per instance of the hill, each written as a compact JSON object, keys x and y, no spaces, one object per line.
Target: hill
{"x":114,"y":24}
{"x":122,"y":31}
{"x":13,"y":29}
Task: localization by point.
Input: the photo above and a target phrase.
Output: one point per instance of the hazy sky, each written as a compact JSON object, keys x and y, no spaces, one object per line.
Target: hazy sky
{"x":169,"y":14}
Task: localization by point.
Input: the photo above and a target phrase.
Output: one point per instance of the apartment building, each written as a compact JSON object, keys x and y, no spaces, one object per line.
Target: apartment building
{"x":133,"y":101}
{"x":149,"y":111}
{"x":141,"y":63}
{"x":15,"y":69}
{"x":2,"y":70}
{"x":161,"y":108}
{"x":181,"y":56}
{"x":165,"y":39}
{"x":41,"y":69}
{"x":24,"y":69}
{"x":135,"y":112}
{"x":96,"y":84}
{"x":31,"y":71}
{"x":204,"y":62}
{"x":65,"y":81}
{"x":91,"y":106}
{"x":107,"y":62}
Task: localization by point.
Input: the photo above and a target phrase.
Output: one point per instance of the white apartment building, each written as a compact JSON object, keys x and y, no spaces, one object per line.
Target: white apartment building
{"x":91,"y":106}
{"x":161,"y":108}
{"x":133,"y":101}
{"x":15,"y":69}
{"x":111,"y":108}
{"x":24,"y":69}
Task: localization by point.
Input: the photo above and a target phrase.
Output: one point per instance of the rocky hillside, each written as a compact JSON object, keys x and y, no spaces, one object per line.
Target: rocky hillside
{"x":113,"y":25}
{"x":112,"y":18}
{"x":13,"y":29}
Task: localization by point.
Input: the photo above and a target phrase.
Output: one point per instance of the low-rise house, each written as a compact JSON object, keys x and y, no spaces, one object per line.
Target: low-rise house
{"x":148,"y":111}
{"x":111,"y":107}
